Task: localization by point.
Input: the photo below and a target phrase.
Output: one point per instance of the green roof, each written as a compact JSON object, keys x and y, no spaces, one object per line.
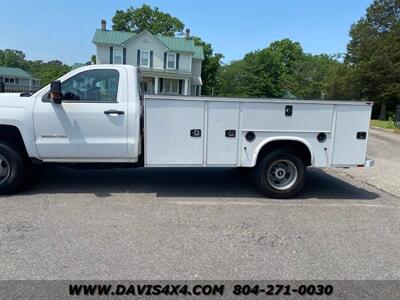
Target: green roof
{"x":15,"y":72}
{"x":119,"y":38}
{"x":198,"y":52}
{"x":177,"y":44}
{"x":111,"y":37}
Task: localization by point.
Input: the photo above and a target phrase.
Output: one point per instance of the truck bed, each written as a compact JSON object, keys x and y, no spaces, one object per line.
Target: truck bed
{"x":211,"y":131}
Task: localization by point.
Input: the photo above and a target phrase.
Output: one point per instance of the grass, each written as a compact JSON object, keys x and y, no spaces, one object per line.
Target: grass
{"x":385,"y":125}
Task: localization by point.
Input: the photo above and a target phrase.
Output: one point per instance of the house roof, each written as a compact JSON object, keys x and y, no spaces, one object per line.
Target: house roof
{"x":198,"y":52}
{"x":110,"y":37}
{"x":15,"y":72}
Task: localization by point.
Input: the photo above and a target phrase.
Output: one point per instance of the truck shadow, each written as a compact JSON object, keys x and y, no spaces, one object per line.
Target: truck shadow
{"x":181,"y":182}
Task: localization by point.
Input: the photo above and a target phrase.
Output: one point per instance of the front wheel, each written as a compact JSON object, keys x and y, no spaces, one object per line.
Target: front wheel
{"x":13,"y":168}
{"x":280,"y":174}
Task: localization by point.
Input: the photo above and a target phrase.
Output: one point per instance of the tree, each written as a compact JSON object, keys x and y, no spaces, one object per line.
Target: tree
{"x":210,"y":66}
{"x":340,"y":83}
{"x":278,"y":70}
{"x":258,"y":74}
{"x":45,"y":71}
{"x":12,"y":58}
{"x":374,"y":54}
{"x":139,"y":19}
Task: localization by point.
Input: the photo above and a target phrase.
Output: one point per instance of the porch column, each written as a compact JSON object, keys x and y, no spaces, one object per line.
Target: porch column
{"x":156,"y":85}
{"x":186,"y":93}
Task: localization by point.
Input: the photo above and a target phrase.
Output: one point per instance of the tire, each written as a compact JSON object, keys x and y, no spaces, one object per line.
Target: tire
{"x":280,"y":174}
{"x":13,"y":168}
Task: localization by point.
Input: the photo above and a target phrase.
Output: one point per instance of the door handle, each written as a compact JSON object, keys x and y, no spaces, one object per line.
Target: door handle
{"x":114,"y":112}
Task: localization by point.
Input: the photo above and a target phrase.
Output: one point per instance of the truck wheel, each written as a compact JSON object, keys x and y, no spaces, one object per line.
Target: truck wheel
{"x":12,"y":168}
{"x":280,"y":174}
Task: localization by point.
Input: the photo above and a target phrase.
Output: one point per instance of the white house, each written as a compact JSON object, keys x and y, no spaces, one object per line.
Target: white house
{"x":170,"y":65}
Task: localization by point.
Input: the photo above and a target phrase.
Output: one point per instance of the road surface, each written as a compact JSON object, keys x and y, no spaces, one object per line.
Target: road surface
{"x":196,"y":224}
{"x":384,"y":148}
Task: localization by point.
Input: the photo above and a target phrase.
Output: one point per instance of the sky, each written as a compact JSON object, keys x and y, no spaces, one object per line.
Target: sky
{"x":63,"y":29}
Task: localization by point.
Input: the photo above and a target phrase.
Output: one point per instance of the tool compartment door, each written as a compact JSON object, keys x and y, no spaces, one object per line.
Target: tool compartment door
{"x":351,"y":135}
{"x":174,"y":132}
{"x":222,"y":133}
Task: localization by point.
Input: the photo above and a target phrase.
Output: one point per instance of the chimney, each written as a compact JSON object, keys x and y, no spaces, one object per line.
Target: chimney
{"x":187,"y":33}
{"x":103,"y":25}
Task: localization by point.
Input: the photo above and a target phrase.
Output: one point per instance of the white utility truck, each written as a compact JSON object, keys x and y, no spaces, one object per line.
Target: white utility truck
{"x":97,"y":116}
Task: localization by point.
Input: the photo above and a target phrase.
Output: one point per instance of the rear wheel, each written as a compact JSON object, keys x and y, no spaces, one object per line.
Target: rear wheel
{"x":13,"y":167}
{"x":280,"y":174}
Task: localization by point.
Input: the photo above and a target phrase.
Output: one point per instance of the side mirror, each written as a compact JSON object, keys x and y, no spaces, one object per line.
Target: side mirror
{"x":2,"y":88}
{"x":55,"y":92}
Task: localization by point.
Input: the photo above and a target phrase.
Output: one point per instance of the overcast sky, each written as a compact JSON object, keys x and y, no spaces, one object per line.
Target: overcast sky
{"x":63,"y":29}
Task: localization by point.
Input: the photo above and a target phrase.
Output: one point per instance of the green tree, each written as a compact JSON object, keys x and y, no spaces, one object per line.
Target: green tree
{"x":340,"y":83}
{"x":45,"y":71}
{"x":280,"y":69}
{"x":258,"y":74}
{"x":210,"y":66}
{"x":374,"y":54}
{"x":145,"y":17}
{"x":12,"y":58}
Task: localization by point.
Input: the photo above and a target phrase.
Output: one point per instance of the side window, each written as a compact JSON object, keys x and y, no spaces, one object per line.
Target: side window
{"x":95,"y":85}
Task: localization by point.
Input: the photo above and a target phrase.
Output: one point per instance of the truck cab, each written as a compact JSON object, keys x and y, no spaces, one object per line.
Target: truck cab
{"x":97,"y":119}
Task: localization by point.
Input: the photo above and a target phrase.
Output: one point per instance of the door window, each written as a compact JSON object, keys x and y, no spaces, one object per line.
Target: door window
{"x":94,"y":85}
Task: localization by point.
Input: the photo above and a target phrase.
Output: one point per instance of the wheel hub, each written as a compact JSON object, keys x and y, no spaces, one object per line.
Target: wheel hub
{"x":5,"y":169}
{"x":282,"y":174}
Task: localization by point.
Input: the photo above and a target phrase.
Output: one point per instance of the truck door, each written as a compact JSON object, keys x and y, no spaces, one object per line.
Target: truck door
{"x":91,"y":121}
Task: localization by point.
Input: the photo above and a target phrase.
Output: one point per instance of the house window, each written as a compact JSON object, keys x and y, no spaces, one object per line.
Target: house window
{"x":171,"y":86}
{"x":9,"y":80}
{"x":145,"y":58}
{"x":117,"y":53}
{"x":171,"y":61}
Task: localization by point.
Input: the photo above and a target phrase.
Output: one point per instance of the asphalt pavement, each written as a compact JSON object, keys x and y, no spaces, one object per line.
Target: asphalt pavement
{"x":198,"y":224}
{"x":384,"y":148}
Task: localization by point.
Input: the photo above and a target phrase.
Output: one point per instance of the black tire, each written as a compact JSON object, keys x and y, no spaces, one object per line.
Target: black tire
{"x":290,"y":161}
{"x":18,"y":167}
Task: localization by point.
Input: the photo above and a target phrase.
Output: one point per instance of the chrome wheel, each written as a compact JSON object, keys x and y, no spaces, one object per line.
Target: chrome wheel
{"x":5,"y":169}
{"x":282,"y":174}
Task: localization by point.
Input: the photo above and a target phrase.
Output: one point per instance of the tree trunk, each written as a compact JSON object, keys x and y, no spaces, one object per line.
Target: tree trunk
{"x":382,"y":115}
